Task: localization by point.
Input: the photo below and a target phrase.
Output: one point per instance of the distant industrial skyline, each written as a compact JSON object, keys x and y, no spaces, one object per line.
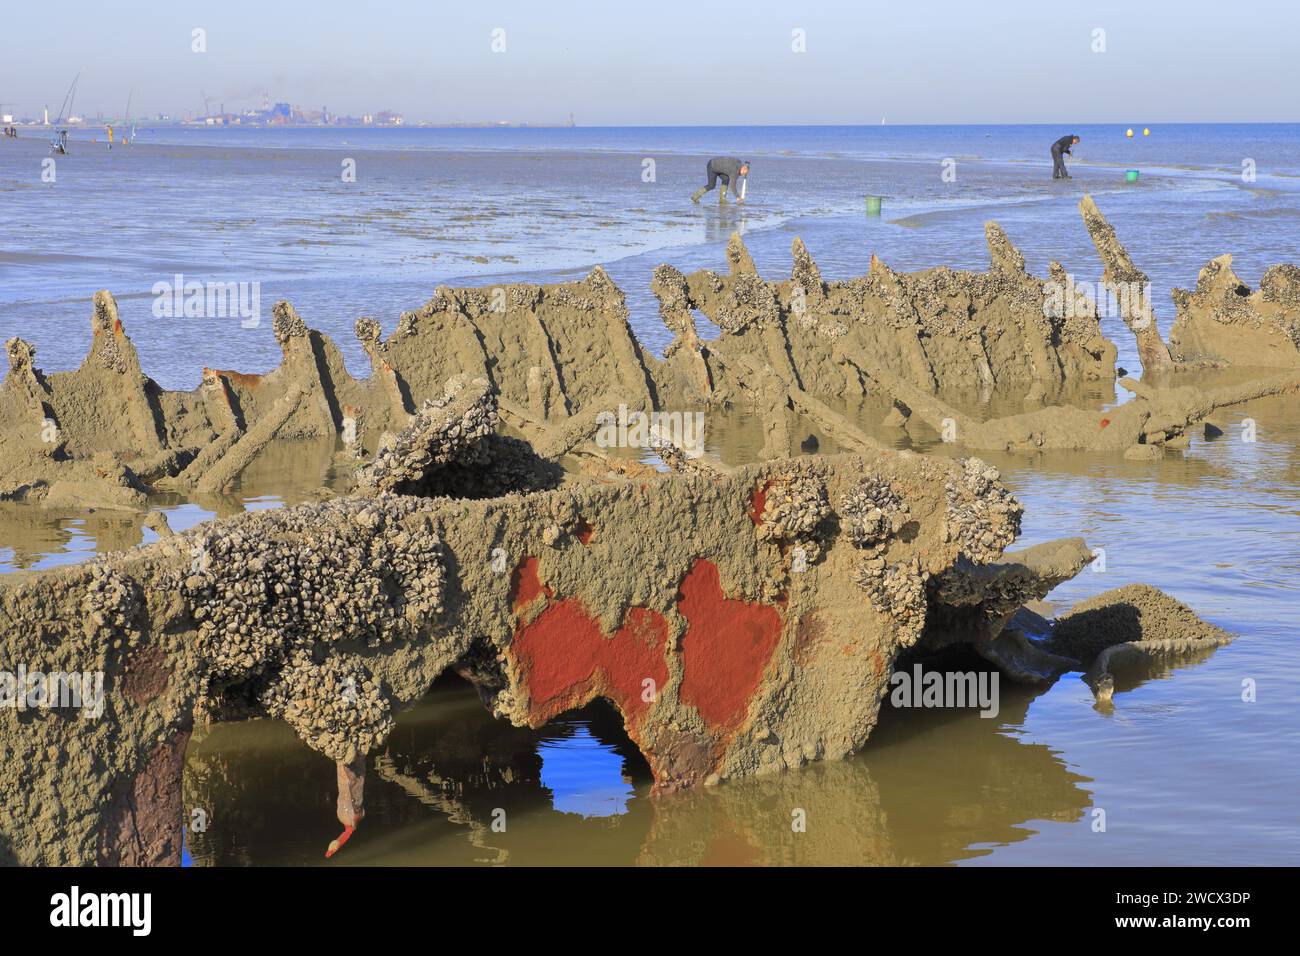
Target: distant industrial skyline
{"x":209,"y":114}
{"x":672,"y":63}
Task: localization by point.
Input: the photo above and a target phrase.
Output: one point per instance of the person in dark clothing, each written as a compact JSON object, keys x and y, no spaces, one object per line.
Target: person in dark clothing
{"x":1060,"y":149}
{"x":730,"y":170}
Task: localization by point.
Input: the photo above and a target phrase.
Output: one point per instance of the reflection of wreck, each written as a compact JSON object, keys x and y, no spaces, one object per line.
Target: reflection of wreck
{"x":448,"y":770}
{"x":742,"y":620}
{"x":472,"y":765}
{"x":885,"y":807}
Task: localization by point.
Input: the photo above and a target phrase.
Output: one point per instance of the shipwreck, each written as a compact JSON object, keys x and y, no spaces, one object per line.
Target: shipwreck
{"x":743,"y":618}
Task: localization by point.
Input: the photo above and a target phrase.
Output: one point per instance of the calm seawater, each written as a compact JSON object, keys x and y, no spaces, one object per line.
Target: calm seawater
{"x":1185,"y":771}
{"x":466,"y":206}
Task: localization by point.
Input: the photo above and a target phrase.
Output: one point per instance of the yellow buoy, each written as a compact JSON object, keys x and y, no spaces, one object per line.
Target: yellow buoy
{"x":1129,"y":134}
{"x":1146,"y":132}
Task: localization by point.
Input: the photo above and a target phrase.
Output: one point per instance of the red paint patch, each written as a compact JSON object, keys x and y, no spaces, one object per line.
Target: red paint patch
{"x":1105,"y":422}
{"x":525,"y":585}
{"x":757,"y":502}
{"x":567,"y":661}
{"x":727,"y":646}
{"x":584,"y":531}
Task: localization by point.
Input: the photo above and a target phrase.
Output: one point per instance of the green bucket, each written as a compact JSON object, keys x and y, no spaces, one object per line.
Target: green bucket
{"x":873,"y":205}
{"x":1131,"y":175}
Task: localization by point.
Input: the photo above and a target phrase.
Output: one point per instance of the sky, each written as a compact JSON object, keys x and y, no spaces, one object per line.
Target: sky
{"x":632,"y":62}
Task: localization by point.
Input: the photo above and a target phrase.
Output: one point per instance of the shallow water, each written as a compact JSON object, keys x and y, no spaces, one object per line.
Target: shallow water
{"x":1184,"y":770}
{"x":476,"y":206}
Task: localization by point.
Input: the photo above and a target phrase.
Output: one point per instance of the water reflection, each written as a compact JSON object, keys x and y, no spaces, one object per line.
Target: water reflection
{"x":584,"y":774}
{"x":721,"y":220}
{"x":289,"y":472}
{"x":454,"y":786}
{"x":34,"y":537}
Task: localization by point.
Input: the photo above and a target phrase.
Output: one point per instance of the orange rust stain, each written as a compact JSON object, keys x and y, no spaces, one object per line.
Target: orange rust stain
{"x":678,"y":758}
{"x":584,"y":531}
{"x":757,"y":502}
{"x":117,"y":326}
{"x":807,"y":638}
{"x":567,"y":660}
{"x":727,"y":646}
{"x":247,"y":380}
{"x":525,"y":584}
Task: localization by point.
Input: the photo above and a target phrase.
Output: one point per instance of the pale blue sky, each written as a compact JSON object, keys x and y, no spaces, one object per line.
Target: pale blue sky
{"x":667,"y":63}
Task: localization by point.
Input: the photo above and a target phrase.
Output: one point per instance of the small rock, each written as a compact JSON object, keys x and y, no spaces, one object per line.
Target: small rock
{"x":1143,"y":453}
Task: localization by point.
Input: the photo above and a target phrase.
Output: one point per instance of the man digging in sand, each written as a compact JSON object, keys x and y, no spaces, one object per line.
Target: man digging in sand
{"x":1059,"y":150}
{"x":730,"y":170}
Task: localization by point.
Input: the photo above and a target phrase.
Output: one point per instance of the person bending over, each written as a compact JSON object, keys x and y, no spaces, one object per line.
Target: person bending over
{"x":1060,"y":149}
{"x":730,"y":170}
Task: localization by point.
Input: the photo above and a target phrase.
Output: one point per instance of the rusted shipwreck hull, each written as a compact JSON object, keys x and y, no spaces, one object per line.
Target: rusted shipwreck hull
{"x":740,"y":623}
